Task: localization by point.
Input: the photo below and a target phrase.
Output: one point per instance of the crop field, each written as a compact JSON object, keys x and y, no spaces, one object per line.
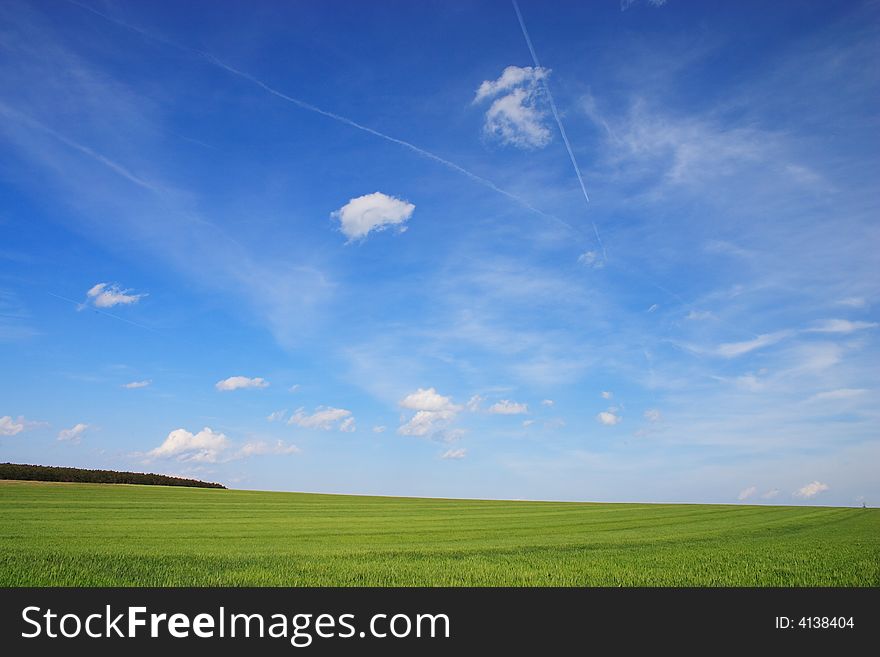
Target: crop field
{"x":54,"y":534}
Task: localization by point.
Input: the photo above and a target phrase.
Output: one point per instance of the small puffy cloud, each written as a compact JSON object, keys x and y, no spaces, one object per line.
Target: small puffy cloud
{"x":734,"y":349}
{"x":372,"y":212}
{"x":206,"y":446}
{"x":240,"y":382}
{"x":746,"y":493}
{"x":606,"y":394}
{"x":770,"y":494}
{"x":608,"y":418}
{"x":840,"y":326}
{"x":653,"y":415}
{"x":454,"y":454}
{"x":434,"y":412}
{"x":137,"y":384}
{"x":527,"y":423}
{"x":293,"y":388}
{"x":379,"y":429}
{"x":260,"y":448}
{"x":473,"y":404}
{"x":74,"y":433}
{"x":10,"y":427}
{"x":591,"y":259}
{"x":811,"y":490}
{"x":107,"y":295}
{"x":507,"y":407}
{"x":547,"y":402}
{"x":515,"y":117}
{"x":277,"y":416}
{"x":428,"y":399}
{"x":325,"y":418}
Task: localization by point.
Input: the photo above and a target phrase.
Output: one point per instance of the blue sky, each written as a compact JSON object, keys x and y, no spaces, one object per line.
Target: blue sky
{"x":342,"y":247}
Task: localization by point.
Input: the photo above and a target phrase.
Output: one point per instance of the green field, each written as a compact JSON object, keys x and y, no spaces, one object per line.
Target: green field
{"x":116,"y":535}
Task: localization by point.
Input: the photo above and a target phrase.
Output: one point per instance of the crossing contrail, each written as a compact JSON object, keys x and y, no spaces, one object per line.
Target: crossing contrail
{"x":485,"y":182}
{"x":574,"y":163}
{"x":394,"y":140}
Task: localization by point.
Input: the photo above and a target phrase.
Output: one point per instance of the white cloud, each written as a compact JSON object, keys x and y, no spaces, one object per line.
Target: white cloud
{"x":840,"y":393}
{"x":277,"y":416}
{"x":527,"y":423}
{"x":811,"y":490}
{"x":9,"y":427}
{"x":137,"y":384}
{"x":699,"y":315}
{"x":74,"y":433}
{"x":591,"y":259}
{"x":379,"y":429}
{"x":770,"y":494}
{"x":607,"y":394}
{"x":608,"y":418}
{"x":454,"y":454}
{"x":473,"y":404}
{"x":746,"y":493}
{"x":853,"y":302}
{"x":626,"y":4}
{"x":514,"y":117}
{"x":424,"y":423}
{"x":372,"y":212}
{"x":206,"y":446}
{"x":428,"y":399}
{"x":653,"y":307}
{"x":293,"y":388}
{"x":241,"y":382}
{"x":734,"y":349}
{"x":840,"y":326}
{"x":325,"y":418}
{"x":107,"y":295}
{"x":547,"y":402}
{"x":653,"y":415}
{"x":507,"y":407}
{"x":260,"y":448}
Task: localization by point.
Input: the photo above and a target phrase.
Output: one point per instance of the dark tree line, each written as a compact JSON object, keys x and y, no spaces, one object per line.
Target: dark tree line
{"x":79,"y":475}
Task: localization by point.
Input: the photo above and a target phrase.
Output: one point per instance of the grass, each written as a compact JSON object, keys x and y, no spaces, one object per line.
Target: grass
{"x":119,"y":535}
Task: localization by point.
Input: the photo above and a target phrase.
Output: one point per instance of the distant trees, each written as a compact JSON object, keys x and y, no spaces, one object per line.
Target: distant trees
{"x":51,"y":473}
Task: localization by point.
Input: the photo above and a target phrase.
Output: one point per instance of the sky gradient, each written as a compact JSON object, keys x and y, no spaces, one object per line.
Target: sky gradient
{"x":387,"y":248}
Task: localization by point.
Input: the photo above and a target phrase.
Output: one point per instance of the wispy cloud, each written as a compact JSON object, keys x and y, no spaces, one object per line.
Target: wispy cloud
{"x":746,"y":493}
{"x":454,"y":454}
{"x":137,"y":384}
{"x":325,"y":418}
{"x":811,"y":490}
{"x":515,"y":117}
{"x":74,"y":434}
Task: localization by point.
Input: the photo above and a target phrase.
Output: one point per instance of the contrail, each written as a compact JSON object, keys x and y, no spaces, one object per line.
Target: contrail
{"x":394,"y":140}
{"x":102,"y":312}
{"x":574,"y":163}
{"x":336,"y":117}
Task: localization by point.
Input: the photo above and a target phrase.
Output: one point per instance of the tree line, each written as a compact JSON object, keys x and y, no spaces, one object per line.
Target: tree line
{"x":26,"y":472}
